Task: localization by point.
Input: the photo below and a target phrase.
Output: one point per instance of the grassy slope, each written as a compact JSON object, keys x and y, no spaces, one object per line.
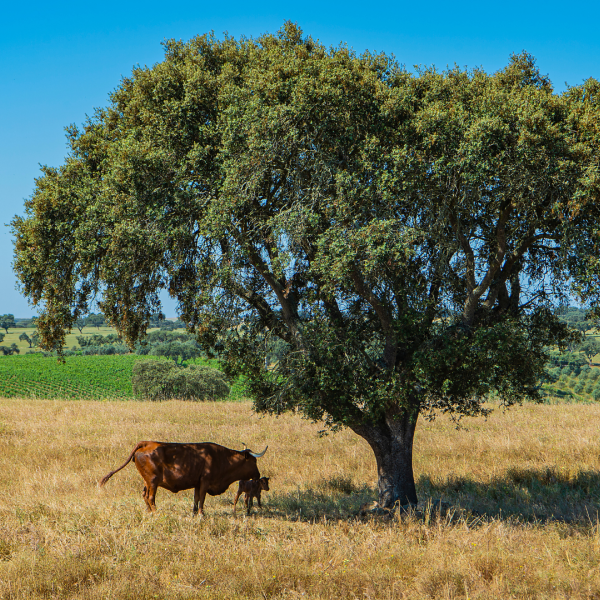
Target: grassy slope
{"x":60,"y":537}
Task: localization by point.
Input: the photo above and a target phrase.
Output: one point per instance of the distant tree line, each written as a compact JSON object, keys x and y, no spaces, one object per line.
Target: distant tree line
{"x":576,"y":318}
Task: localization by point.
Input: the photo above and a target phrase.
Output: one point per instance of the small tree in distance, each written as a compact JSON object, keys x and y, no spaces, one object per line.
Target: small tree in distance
{"x":25,"y":338}
{"x":406,"y":235}
{"x":7,"y":321}
{"x":590,"y":347}
{"x":9,"y":350}
{"x":35,"y":339}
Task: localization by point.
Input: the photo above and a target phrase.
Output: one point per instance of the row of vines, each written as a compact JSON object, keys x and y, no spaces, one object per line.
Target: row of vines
{"x":94,"y":378}
{"x":80,"y":377}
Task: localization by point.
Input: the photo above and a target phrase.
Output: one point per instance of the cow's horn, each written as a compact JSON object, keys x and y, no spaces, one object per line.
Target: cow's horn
{"x":258,"y":455}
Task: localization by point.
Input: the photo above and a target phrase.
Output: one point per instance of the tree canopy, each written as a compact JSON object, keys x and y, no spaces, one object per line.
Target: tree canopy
{"x":405,"y":235}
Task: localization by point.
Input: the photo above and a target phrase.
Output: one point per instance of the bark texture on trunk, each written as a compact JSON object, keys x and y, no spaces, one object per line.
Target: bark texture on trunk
{"x":392,"y":442}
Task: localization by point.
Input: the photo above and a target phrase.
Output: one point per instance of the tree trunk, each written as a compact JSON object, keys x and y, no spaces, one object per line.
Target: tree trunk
{"x":392,"y":442}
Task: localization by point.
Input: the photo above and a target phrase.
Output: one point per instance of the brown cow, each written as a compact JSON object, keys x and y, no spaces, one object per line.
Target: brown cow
{"x":251,"y":489}
{"x":206,"y":467}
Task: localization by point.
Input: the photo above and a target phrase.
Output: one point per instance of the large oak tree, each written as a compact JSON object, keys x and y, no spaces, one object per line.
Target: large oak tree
{"x":404,"y":235}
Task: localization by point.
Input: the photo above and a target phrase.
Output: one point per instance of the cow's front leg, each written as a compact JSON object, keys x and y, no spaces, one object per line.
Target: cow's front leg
{"x":199,"y":496}
{"x":258,"y":500}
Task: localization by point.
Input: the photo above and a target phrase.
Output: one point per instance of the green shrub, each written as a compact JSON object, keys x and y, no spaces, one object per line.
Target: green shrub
{"x":8,"y":350}
{"x":161,"y":380}
{"x":596,"y":393}
{"x":147,"y":378}
{"x":551,"y":375}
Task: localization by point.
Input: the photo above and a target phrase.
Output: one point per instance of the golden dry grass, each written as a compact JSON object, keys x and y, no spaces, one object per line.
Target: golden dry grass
{"x":524,"y":484}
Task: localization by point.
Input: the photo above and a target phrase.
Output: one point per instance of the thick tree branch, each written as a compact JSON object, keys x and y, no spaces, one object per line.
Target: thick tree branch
{"x":383,"y":313}
{"x":506,"y":271}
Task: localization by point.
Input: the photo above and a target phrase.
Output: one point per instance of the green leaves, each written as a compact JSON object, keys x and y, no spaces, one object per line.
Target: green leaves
{"x":157,"y":380}
{"x":404,"y":234}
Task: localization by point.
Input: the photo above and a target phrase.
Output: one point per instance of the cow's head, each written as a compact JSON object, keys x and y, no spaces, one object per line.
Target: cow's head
{"x":264,"y":483}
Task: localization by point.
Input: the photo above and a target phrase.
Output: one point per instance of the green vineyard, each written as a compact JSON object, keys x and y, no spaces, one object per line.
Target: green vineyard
{"x":80,"y":377}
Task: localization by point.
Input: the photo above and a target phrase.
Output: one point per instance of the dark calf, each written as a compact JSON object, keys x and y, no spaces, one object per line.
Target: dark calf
{"x":251,"y":488}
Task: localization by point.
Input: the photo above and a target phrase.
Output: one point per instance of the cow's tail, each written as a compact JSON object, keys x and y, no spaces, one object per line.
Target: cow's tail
{"x":107,"y":477}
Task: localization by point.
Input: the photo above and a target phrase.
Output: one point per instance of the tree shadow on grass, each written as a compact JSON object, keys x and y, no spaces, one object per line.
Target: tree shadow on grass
{"x":336,"y":498}
{"x":522,"y":495}
{"x":531,"y":495}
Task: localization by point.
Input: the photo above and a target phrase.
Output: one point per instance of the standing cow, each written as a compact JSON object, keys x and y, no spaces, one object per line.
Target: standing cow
{"x":206,"y":467}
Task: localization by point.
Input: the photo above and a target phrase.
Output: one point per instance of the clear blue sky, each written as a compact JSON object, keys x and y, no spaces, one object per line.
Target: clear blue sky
{"x":58,"y":61}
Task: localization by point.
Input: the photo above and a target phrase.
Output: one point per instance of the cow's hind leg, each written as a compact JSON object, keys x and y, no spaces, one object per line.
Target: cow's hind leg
{"x":150,"y":495}
{"x":145,"y":494}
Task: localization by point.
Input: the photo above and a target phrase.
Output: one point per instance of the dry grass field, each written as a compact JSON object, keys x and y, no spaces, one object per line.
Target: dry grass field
{"x":524,"y":488}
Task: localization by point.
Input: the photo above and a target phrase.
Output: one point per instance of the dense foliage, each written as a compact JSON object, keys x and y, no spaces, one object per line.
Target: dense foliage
{"x":9,"y":350}
{"x":405,"y":235}
{"x":158,"y":380}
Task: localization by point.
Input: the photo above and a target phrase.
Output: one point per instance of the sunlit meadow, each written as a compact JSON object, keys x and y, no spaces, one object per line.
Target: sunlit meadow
{"x":518,"y":519}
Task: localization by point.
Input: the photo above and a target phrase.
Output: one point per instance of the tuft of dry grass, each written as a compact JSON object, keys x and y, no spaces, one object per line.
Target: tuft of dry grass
{"x":523,"y":490}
